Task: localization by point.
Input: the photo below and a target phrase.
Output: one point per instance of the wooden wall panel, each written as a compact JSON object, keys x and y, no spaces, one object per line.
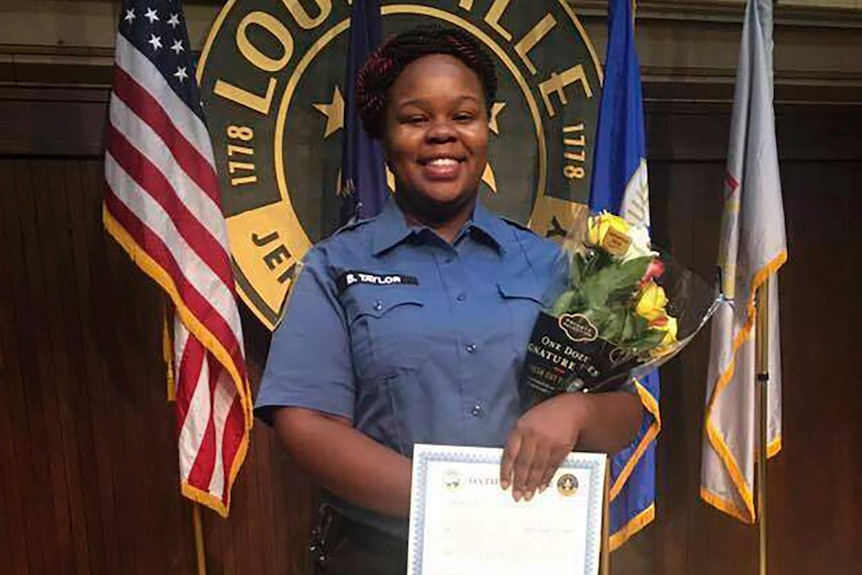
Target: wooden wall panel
{"x":88,"y":475}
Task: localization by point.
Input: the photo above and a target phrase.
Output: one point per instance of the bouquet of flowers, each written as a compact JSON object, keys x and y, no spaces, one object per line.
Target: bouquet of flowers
{"x":627,"y":309}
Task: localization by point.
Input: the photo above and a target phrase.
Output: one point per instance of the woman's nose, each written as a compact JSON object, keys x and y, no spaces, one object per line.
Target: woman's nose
{"x":441,"y":131}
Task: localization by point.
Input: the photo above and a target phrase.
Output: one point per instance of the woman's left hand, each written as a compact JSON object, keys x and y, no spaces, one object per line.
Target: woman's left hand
{"x":539,"y":442}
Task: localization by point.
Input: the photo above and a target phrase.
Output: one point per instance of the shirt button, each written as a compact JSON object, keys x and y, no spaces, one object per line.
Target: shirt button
{"x":378,"y":305}
{"x":470,"y":347}
{"x":461,"y":297}
{"x":476,"y":411}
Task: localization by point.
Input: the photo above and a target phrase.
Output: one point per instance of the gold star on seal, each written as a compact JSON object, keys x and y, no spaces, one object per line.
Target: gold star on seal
{"x":496,"y":108}
{"x":334,"y":113}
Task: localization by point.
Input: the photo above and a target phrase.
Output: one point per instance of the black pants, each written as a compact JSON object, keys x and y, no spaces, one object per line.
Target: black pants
{"x":341,"y":546}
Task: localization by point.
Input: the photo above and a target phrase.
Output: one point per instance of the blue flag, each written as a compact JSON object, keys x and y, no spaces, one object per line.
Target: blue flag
{"x":620,"y":186}
{"x":363,"y":176}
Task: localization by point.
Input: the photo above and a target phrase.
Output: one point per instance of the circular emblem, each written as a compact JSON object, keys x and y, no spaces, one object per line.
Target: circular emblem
{"x":451,"y":480}
{"x":272,"y":79}
{"x":567,"y":485}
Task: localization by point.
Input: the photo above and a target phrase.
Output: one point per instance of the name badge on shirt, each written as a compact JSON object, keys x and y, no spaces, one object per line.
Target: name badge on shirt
{"x":353,"y":277}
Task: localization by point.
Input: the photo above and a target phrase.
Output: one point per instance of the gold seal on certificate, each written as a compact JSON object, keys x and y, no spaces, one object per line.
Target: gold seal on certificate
{"x":463,"y":523}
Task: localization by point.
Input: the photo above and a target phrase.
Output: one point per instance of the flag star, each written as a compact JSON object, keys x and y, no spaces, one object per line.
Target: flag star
{"x":181,"y":74}
{"x":174,"y":21}
{"x":155,"y":42}
{"x":151,"y":15}
{"x":130,"y":15}
{"x":178,"y":47}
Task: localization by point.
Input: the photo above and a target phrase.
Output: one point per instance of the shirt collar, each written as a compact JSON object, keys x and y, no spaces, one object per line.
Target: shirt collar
{"x":392,"y":227}
{"x":490,"y":226}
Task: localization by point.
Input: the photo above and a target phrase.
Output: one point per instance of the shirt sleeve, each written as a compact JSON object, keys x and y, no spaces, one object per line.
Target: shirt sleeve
{"x":309,"y":363}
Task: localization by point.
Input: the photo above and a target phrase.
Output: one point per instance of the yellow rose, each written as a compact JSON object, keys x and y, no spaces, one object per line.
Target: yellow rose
{"x":598,"y":227}
{"x":652,"y":302}
{"x":670,"y":329}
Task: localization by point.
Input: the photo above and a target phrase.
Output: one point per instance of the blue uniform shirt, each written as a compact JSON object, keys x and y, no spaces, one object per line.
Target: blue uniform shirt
{"x":412,"y":338}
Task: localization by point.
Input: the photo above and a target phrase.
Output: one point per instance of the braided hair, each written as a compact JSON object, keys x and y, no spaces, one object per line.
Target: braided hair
{"x":383,"y":67}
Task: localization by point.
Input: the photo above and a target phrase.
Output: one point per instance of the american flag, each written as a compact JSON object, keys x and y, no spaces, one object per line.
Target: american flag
{"x":162,"y":205}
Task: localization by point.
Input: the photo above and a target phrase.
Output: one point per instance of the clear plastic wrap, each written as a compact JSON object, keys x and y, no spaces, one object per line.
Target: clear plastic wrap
{"x":627,"y":309}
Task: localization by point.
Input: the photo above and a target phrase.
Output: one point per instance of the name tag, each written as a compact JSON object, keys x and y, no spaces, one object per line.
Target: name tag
{"x":351,"y":278}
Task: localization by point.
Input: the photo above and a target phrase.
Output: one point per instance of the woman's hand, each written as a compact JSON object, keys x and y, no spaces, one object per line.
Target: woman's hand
{"x":541,"y":439}
{"x":547,"y":433}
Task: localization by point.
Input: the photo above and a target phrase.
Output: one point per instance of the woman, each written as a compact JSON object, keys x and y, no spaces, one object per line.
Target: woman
{"x":411,"y":327}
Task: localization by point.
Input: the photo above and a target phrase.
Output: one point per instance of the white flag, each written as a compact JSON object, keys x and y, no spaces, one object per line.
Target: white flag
{"x":753,"y":248}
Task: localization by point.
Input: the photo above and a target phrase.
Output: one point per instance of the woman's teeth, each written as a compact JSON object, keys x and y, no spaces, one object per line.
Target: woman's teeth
{"x":443,"y":162}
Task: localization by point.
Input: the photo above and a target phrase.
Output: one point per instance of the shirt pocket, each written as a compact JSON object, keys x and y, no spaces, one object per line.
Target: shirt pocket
{"x":523,"y":300}
{"x":386,"y":330}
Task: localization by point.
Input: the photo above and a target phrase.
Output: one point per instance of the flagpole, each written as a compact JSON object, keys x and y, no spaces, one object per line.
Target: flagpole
{"x":762,"y":379}
{"x":200,"y":554}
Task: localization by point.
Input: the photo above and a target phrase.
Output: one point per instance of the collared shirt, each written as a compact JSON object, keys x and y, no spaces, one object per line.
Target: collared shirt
{"x":414,"y":339}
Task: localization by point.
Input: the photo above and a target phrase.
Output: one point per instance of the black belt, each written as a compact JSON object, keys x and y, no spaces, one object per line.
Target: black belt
{"x":334,"y":528}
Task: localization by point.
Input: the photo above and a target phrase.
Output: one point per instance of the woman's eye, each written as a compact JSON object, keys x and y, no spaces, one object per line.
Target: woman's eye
{"x":416,"y":120}
{"x":464,"y":117}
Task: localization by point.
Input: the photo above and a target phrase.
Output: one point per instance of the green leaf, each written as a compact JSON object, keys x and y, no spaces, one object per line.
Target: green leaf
{"x":614,"y":281}
{"x":647,"y":341}
{"x":564,"y":303}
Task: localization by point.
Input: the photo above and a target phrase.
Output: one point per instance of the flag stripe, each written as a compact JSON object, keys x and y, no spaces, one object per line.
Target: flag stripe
{"x":126,"y":216}
{"x":202,"y":469}
{"x":189,"y":371}
{"x":142,"y":257}
{"x":168,"y":156}
{"x":137,"y":66}
{"x":193,"y":414}
{"x":150,"y":180}
{"x":223,"y":397}
{"x":137,"y":100}
{"x":232,"y":440}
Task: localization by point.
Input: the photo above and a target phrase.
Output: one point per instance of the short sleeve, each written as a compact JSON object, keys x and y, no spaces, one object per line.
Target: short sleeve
{"x":309,"y":363}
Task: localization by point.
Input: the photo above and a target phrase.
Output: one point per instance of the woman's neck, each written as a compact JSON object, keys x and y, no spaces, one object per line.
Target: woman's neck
{"x":447,"y":225}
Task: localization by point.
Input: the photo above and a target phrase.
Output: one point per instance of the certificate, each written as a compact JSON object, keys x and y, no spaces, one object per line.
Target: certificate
{"x":463,"y":523}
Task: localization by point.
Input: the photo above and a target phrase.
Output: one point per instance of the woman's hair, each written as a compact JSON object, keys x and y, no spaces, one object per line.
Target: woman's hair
{"x":383,"y":67}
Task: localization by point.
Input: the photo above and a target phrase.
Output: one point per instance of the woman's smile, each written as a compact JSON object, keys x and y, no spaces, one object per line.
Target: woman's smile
{"x":441,"y":168}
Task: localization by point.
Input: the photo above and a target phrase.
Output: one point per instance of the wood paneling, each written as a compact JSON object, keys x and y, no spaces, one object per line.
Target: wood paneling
{"x":88,"y":475}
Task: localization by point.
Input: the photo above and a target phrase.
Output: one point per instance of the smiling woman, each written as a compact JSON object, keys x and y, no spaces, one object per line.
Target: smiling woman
{"x":437,"y":144}
{"x":412,"y":327}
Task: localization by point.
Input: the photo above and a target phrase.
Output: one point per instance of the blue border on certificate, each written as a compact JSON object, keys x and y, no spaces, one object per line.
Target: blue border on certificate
{"x":594,"y":505}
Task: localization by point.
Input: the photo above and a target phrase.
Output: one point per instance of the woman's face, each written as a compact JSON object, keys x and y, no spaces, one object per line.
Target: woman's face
{"x":436,"y":135}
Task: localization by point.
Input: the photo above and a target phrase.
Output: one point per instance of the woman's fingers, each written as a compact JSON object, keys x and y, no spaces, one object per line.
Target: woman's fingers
{"x":507,"y":465}
{"x":522,"y":467}
{"x":537,"y":470}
